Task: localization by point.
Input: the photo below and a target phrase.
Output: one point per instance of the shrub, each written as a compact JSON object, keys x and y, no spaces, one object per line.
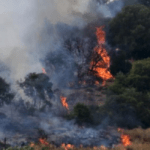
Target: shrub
{"x":82,"y":113}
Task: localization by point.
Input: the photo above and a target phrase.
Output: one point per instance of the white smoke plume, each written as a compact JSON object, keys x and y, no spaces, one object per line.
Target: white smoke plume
{"x":22,"y":22}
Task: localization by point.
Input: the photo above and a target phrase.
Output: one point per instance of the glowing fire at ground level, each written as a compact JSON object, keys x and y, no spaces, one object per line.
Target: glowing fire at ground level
{"x":125,"y":141}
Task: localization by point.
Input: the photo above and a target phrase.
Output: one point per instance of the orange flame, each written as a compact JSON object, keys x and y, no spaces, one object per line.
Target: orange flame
{"x":44,"y":71}
{"x":63,"y":101}
{"x":43,"y":141}
{"x":125,"y":140}
{"x":102,"y":66}
{"x":67,"y":146}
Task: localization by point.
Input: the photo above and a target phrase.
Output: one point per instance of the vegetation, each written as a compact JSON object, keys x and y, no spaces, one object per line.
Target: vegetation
{"x":81,"y":113}
{"x":128,"y":98}
{"x":5,"y":95}
{"x":129,"y":31}
{"x":119,"y":63}
{"x":35,"y":85}
{"x":131,"y":92}
{"x":145,"y":2}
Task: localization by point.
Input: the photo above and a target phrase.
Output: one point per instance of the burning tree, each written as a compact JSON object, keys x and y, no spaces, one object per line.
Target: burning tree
{"x":81,"y":50}
{"x":101,"y":61}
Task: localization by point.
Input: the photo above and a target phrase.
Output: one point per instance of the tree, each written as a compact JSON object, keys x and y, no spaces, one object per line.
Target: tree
{"x":130,"y":31}
{"x":5,"y":95}
{"x":37,"y":86}
{"x":132,"y":91}
{"x":119,"y":64}
{"x":145,"y":2}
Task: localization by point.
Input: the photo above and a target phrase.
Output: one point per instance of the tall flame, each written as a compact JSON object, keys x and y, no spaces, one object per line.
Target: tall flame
{"x":63,"y":101}
{"x":102,"y":66}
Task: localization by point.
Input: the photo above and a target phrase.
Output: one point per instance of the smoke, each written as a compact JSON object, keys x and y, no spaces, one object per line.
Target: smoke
{"x":34,"y":32}
{"x":22,"y":26}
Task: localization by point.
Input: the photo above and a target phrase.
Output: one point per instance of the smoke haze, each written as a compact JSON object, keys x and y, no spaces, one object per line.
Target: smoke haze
{"x":33,"y":31}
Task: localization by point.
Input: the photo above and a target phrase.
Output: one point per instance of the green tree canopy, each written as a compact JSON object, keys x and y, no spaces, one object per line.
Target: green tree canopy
{"x":119,"y":64}
{"x":82,"y":113}
{"x":145,"y":2}
{"x":133,"y":91}
{"x":130,"y":31}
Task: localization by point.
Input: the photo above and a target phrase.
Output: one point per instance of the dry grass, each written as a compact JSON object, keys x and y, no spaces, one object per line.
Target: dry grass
{"x":139,"y":135}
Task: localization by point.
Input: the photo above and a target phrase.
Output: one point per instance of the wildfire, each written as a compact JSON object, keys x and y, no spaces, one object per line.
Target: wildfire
{"x":67,"y":146}
{"x":44,"y":71}
{"x":102,"y":66}
{"x":63,"y":101}
{"x":43,"y":141}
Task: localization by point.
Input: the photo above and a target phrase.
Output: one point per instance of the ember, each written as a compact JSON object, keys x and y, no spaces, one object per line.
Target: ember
{"x":63,"y":101}
{"x":102,"y":67}
{"x":43,"y":141}
{"x":44,"y":71}
{"x":67,"y":146}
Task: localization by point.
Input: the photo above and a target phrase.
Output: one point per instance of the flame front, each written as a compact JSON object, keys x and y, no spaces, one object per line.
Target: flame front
{"x":63,"y":101}
{"x":102,"y":66}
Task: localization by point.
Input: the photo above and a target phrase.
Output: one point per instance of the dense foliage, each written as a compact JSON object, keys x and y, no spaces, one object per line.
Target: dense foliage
{"x":130,"y":31}
{"x":119,"y":63}
{"x":131,"y":92}
{"x":145,"y":2}
{"x":81,"y":113}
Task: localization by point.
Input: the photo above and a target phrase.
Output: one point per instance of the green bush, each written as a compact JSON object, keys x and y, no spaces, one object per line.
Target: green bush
{"x":132,"y":91}
{"x":82,"y":113}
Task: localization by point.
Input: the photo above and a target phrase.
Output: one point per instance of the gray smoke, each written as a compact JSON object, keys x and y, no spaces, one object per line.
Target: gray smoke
{"x":23,"y":22}
{"x":33,"y":33}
